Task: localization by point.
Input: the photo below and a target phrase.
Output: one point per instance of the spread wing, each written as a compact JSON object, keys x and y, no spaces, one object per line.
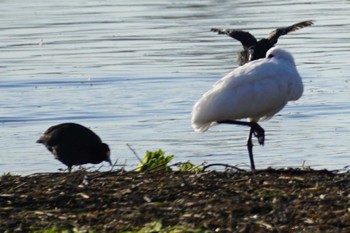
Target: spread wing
{"x":274,"y":35}
{"x":246,"y":39}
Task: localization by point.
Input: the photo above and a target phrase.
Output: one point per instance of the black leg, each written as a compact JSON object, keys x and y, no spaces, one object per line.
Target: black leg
{"x":256,"y":130}
{"x":250,"y":148}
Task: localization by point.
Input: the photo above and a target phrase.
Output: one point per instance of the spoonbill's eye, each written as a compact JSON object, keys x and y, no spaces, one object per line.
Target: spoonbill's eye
{"x":270,"y":56}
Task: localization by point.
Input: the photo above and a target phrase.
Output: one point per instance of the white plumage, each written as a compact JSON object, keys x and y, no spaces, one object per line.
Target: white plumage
{"x":256,"y":90}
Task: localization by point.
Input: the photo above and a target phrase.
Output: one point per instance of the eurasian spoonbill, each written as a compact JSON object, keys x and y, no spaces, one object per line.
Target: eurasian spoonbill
{"x":256,"y":90}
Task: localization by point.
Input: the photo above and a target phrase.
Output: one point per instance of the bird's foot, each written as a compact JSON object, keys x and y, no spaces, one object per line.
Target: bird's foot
{"x":259,"y":133}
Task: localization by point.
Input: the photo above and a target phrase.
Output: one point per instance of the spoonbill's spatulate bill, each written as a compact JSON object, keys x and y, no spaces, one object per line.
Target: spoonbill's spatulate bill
{"x":74,"y":144}
{"x":254,"y":49}
{"x":256,"y":90}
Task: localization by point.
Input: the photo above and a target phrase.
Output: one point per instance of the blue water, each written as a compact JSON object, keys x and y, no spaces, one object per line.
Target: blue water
{"x":132,"y":72}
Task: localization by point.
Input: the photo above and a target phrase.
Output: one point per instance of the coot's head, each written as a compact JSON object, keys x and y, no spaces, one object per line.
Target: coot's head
{"x":259,"y":50}
{"x":106,"y":153}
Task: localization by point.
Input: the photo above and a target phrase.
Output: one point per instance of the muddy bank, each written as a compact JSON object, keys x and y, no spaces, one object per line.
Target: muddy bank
{"x":264,"y":201}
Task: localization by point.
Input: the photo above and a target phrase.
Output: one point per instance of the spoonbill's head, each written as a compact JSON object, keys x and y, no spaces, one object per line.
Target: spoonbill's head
{"x":281,"y":55}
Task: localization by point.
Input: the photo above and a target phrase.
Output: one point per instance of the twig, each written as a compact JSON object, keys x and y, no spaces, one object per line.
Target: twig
{"x":114,"y":164}
{"x":224,"y":165}
{"x":99,"y":168}
{"x":134,"y":152}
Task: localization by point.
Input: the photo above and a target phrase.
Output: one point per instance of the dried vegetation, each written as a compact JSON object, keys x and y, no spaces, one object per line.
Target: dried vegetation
{"x":269,"y":200}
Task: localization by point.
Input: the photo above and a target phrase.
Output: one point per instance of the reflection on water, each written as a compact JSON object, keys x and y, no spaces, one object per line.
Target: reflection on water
{"x":132,"y":71}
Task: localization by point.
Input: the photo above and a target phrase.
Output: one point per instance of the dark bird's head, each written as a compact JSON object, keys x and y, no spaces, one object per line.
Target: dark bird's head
{"x":106,"y":153}
{"x":259,"y":50}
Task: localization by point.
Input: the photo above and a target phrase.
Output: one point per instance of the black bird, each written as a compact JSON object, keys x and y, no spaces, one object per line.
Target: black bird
{"x":254,"y":49}
{"x":74,"y":144}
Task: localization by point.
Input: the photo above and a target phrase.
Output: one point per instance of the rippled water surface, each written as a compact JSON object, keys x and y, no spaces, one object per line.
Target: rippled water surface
{"x":131,"y":71}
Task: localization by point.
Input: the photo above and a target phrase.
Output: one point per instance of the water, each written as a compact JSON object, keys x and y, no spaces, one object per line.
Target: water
{"x":132,"y":72}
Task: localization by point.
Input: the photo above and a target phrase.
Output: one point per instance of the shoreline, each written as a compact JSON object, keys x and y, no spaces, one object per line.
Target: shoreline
{"x":284,"y":200}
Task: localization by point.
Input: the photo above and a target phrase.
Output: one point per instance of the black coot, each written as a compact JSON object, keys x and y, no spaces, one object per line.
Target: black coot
{"x":254,"y":49}
{"x":74,"y":144}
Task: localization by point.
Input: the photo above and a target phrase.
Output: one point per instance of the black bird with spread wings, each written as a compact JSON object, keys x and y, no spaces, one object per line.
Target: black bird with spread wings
{"x":254,"y":49}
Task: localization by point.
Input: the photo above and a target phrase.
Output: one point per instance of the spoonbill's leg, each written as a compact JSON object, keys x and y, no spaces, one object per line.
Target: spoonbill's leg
{"x":256,"y":130}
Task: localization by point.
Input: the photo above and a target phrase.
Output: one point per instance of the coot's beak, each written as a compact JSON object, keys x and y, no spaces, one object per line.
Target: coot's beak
{"x":109,"y":158}
{"x":251,"y":53}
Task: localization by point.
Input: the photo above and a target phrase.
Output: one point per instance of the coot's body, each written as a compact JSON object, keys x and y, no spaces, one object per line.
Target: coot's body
{"x":74,"y":144}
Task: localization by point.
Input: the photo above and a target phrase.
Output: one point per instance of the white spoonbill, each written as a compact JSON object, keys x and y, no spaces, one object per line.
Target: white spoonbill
{"x":254,"y":49}
{"x":256,"y":90}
